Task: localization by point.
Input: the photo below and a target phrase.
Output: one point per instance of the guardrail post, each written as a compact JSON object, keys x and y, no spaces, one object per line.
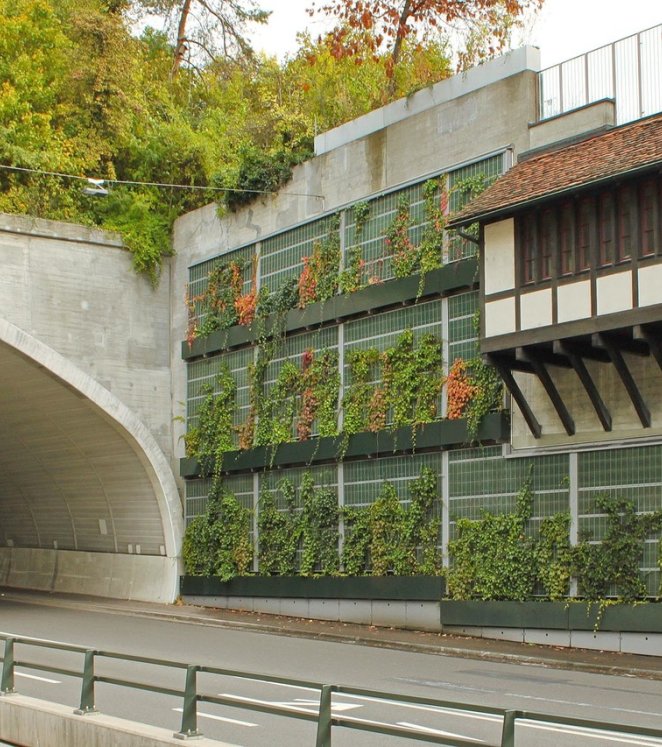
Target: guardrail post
{"x":87,"y":688}
{"x":190,"y":711}
{"x":324,"y":718}
{"x":508,"y":733}
{"x":7,"y":685}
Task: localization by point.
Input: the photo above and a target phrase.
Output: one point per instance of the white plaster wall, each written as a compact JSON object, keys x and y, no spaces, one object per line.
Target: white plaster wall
{"x":614,"y":292}
{"x":650,"y":285}
{"x":574,"y":301}
{"x":499,"y":317}
{"x":536,"y":309}
{"x":499,"y":253}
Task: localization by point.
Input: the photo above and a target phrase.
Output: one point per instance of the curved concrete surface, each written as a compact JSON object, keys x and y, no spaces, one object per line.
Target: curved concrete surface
{"x":88,"y":501}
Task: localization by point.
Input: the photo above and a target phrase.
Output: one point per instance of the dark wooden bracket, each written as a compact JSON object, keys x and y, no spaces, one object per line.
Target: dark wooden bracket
{"x":574,"y":356}
{"x":552,"y":392}
{"x":626,"y":377}
{"x":517,"y":394}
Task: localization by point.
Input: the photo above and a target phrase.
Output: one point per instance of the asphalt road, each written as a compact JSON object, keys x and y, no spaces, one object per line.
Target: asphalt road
{"x":599,"y":697}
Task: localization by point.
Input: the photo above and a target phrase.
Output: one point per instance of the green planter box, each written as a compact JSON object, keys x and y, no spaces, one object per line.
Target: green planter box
{"x":414,"y":588}
{"x":562,"y":615}
{"x":441,"y":434}
{"x":457,"y":275}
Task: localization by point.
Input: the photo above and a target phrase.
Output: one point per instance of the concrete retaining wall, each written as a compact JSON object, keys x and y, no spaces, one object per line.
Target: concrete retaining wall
{"x":36,"y":723}
{"x":146,"y":578}
{"x":385,"y":613}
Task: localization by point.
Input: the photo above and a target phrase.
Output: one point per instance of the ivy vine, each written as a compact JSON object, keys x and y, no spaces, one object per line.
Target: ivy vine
{"x":217,"y":542}
{"x":385,"y":537}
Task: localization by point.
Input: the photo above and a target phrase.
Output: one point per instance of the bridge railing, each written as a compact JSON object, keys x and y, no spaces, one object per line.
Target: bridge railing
{"x":191,"y":695}
{"x":628,"y":71}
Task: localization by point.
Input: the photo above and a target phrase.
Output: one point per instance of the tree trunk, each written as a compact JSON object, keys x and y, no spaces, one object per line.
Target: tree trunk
{"x":397,"y":46}
{"x":180,"y":49}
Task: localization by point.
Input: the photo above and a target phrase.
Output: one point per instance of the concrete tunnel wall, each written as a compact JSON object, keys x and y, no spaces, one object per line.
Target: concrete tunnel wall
{"x":88,"y":498}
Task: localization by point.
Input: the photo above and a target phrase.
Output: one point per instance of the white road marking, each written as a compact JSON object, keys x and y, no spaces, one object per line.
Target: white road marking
{"x":298,"y":704}
{"x":40,"y":679}
{"x":610,"y":736}
{"x":434,"y":709}
{"x":219,"y":718}
{"x":437,"y":732}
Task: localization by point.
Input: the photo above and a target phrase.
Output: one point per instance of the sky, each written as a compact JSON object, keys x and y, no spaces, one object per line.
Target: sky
{"x":563,"y":29}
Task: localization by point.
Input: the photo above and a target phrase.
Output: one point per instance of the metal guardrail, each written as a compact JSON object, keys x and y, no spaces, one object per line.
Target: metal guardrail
{"x":628,"y":70}
{"x":324,"y":718}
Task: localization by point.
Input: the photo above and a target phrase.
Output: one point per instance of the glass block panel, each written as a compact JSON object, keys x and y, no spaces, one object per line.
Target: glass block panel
{"x":462,"y":338}
{"x":364,"y":479}
{"x":199,"y":274}
{"x":484,"y":480}
{"x":460,"y":183}
{"x":281,"y":256}
{"x":241,"y":486}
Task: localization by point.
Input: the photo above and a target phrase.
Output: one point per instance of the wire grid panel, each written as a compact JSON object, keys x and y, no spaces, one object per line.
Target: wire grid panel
{"x":198,"y":280}
{"x":483,"y":480}
{"x":202,"y":373}
{"x":292,"y":350}
{"x":490,"y":168}
{"x":197,"y":492}
{"x":372,"y":236}
{"x":281,"y":256}
{"x":634,"y":474}
{"x":462,"y":334}
{"x":381,"y":331}
{"x":363,"y":480}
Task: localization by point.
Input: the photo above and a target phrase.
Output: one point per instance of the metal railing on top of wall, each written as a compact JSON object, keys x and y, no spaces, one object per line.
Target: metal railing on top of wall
{"x":324,"y":718}
{"x":628,"y":71}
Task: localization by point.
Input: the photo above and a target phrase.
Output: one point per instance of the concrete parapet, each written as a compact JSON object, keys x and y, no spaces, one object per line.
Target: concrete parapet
{"x":32,"y":722}
{"x":147,"y":578}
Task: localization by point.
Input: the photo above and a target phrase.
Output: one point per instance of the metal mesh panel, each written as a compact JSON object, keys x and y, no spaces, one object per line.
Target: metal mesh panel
{"x":635,"y":474}
{"x":282,"y":255}
{"x":363,"y":480}
{"x":203,"y":372}
{"x":483,"y":480}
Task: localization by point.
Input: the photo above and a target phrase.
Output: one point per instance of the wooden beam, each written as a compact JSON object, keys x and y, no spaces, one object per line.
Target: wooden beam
{"x":583,"y":350}
{"x":552,"y":392}
{"x":543,"y":354}
{"x":604,"y":416}
{"x":517,"y":394}
{"x":626,"y":377}
{"x":621,"y":342}
{"x":654,"y":343}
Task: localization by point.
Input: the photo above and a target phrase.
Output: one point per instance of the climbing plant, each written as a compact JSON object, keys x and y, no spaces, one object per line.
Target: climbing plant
{"x":217,"y":542}
{"x":430,"y":248}
{"x":611,"y":567}
{"x":385,"y":537}
{"x":319,"y":528}
{"x":278,"y":530}
{"x":400,"y":385}
{"x":492,"y":557}
{"x":399,"y":246}
{"x":213,"y":435}
{"x":319,"y":277}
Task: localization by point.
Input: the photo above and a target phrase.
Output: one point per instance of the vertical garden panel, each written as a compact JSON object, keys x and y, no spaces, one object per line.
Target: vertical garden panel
{"x":462,"y":334}
{"x":241,"y":486}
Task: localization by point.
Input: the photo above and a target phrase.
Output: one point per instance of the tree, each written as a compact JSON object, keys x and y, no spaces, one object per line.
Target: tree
{"x":484,"y":25}
{"x":206,"y":28}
